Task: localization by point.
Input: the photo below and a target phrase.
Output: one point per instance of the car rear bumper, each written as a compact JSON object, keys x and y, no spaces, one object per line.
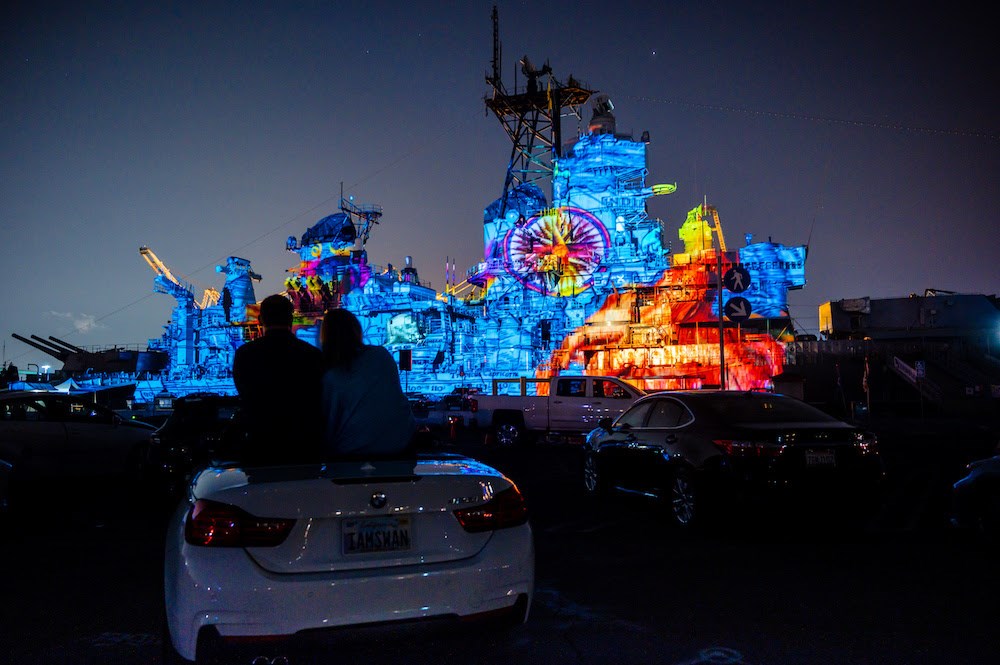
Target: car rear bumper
{"x":225,"y":589}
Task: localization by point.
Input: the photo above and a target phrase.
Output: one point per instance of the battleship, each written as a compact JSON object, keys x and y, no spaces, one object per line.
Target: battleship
{"x":581,"y":279}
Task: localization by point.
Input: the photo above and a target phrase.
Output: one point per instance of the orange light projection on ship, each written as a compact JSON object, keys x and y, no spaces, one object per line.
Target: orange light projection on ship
{"x":667,"y":336}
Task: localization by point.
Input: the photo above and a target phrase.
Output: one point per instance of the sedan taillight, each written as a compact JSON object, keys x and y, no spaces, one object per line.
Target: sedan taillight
{"x":865,"y":443}
{"x":214,"y":524}
{"x":737,"y":448}
{"x":504,"y":510}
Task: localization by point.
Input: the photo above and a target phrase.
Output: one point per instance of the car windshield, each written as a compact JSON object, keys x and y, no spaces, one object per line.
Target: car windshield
{"x":202,"y":414}
{"x":757,"y":408}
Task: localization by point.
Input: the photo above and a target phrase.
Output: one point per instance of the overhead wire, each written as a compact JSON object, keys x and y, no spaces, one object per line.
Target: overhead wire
{"x":187,"y":277}
{"x":968,"y":133}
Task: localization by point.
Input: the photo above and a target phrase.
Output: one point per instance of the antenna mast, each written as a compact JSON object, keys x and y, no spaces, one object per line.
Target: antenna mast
{"x":532,"y":118}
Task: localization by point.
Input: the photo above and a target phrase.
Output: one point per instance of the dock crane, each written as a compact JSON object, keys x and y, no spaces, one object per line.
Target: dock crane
{"x":166,"y":282}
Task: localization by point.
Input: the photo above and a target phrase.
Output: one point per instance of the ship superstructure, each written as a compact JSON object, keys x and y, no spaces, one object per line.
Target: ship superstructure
{"x":579,"y":278}
{"x":202,"y":336}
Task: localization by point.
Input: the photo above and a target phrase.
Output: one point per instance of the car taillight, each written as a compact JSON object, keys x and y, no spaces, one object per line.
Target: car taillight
{"x":504,"y":510}
{"x":865,"y":444}
{"x":214,"y":524}
{"x":473,"y":405}
{"x":737,"y":448}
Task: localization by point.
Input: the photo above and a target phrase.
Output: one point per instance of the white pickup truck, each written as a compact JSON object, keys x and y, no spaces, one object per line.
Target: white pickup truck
{"x":574,"y":405}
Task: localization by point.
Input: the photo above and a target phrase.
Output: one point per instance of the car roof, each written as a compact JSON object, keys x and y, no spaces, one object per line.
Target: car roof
{"x":206,"y":397}
{"x":714,"y":399}
{"x":709,"y":393}
{"x":17,"y":394}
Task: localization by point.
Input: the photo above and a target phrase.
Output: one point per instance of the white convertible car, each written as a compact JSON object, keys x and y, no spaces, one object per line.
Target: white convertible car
{"x":256,"y":554}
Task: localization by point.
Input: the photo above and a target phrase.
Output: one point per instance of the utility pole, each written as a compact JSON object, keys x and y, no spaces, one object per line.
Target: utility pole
{"x":722,"y":329}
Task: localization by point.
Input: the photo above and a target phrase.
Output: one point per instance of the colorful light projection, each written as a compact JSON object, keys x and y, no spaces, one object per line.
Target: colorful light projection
{"x":329,"y":265}
{"x":585,"y":284}
{"x":667,"y":336}
{"x":201,"y":342}
{"x":547,"y":268}
{"x":774,"y":270}
{"x":557,"y":252}
{"x":239,"y":285}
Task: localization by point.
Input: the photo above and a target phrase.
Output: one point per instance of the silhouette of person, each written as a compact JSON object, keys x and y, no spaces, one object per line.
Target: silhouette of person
{"x":365,"y":410}
{"x":11,"y":374}
{"x":278,"y":377}
{"x":227,"y":302}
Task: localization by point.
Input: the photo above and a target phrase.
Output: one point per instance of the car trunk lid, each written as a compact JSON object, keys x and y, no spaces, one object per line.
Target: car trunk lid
{"x":360,"y":515}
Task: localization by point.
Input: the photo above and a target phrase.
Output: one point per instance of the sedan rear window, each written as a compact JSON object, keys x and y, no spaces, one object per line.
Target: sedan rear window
{"x":758,"y":408}
{"x":634,"y":417}
{"x":25,"y":409}
{"x":668,"y":413}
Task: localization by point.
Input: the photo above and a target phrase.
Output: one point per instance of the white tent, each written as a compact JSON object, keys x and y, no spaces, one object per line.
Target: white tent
{"x":69,"y":385}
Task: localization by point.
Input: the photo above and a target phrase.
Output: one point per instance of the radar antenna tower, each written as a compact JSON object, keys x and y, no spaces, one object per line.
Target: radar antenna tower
{"x":364,"y":217}
{"x":532,"y":117}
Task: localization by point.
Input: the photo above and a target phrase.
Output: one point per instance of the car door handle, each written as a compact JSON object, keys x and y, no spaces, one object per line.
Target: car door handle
{"x":671,"y":438}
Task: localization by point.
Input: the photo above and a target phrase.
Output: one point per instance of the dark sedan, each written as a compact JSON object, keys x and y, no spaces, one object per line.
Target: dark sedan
{"x":976,"y":498}
{"x":708,"y":452}
{"x":56,"y":445}
{"x":202,"y":427}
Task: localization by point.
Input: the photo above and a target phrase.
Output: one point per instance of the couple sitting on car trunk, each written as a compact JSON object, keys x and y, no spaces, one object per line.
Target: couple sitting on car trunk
{"x":303,"y":404}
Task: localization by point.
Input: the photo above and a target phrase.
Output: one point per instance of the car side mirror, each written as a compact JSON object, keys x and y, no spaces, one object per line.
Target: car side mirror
{"x":605,"y":424}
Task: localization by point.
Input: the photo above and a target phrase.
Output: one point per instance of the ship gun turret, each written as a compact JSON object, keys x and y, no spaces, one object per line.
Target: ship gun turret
{"x":78,"y":361}
{"x":48,"y":348}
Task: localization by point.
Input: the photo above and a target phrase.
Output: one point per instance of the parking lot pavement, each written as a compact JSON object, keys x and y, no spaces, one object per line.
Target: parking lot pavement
{"x":613,"y":585}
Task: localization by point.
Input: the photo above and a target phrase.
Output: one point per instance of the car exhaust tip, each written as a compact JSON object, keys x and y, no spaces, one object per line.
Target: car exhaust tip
{"x":269,"y":660}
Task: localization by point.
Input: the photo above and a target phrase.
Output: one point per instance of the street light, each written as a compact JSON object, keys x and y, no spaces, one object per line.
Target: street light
{"x":29,"y":366}
{"x":45,"y":368}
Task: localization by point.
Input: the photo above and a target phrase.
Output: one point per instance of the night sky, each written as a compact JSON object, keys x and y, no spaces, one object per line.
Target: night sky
{"x":211,"y":129}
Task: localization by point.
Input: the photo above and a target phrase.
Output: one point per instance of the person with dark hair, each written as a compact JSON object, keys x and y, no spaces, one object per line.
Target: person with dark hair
{"x":365,"y":409}
{"x":279,"y":380}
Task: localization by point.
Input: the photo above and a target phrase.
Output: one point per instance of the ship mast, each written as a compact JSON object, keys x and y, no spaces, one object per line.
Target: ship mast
{"x":364,"y":217}
{"x":531,"y":118}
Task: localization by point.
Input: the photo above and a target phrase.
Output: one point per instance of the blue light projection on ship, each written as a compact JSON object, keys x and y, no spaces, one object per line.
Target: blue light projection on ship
{"x":581,"y":283}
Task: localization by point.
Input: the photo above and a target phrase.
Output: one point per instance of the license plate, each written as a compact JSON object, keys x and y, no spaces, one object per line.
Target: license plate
{"x":376,"y":534}
{"x":820,"y":458}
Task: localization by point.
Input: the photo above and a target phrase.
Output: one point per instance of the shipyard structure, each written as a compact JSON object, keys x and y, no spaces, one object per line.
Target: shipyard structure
{"x":578,"y":278}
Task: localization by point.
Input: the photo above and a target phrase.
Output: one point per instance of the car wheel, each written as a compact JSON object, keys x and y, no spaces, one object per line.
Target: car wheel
{"x":988,"y":522}
{"x":209,"y":649}
{"x":137,"y":471}
{"x":685,"y":504}
{"x":507,"y":434}
{"x":592,"y":473}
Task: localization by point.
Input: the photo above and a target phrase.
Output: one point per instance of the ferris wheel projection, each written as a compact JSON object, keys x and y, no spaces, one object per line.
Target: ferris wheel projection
{"x":557,"y":251}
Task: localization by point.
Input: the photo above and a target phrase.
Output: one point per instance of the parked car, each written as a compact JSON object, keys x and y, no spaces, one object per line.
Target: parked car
{"x":976,"y":498}
{"x":53,"y":441}
{"x":419,"y":403}
{"x":569,"y":406}
{"x":201,"y":428}
{"x":461,"y":399}
{"x":271,"y":552}
{"x":707,"y":452}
